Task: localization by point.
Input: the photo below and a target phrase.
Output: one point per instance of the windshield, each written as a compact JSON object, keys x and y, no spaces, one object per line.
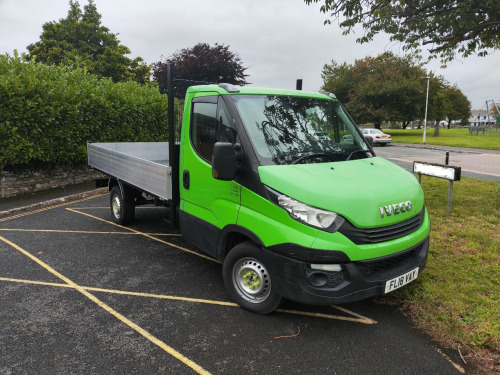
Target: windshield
{"x":292,"y":130}
{"x":372,"y":131}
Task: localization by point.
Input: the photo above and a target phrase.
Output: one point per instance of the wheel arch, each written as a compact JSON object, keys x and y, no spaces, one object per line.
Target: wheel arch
{"x":112,"y":182}
{"x":128,"y":192}
{"x":116,"y":182}
{"x":231,"y":236}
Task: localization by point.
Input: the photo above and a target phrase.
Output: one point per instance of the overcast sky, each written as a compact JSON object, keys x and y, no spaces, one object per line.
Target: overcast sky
{"x":278,"y":40}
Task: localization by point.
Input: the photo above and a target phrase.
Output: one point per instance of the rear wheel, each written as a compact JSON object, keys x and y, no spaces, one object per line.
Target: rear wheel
{"x":123,"y":211}
{"x":248,"y":281}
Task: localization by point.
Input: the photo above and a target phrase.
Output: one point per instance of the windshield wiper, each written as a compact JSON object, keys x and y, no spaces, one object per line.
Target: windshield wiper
{"x":355,"y":152}
{"x":310,"y":156}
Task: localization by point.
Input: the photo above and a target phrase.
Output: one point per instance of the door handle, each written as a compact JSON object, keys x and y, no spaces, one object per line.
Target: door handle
{"x":185,"y":179}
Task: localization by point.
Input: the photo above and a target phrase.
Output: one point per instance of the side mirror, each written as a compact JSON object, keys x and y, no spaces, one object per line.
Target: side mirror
{"x":225,"y":161}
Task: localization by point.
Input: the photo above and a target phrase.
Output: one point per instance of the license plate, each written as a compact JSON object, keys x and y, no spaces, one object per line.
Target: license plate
{"x":399,"y":281}
{"x":384,"y":136}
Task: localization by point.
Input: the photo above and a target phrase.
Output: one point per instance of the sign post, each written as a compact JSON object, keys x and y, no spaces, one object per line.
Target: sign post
{"x":441,"y":171}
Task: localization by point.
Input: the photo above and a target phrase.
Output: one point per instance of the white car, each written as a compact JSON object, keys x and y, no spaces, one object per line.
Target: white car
{"x":378,"y":136}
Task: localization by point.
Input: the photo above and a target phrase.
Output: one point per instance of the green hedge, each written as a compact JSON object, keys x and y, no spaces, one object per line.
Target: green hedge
{"x":48,"y":113}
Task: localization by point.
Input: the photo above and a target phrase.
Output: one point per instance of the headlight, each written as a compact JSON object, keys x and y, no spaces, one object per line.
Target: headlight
{"x":325,"y":220}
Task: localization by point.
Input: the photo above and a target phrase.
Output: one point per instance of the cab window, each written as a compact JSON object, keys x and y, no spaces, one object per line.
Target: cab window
{"x":210,"y":123}
{"x":203,"y":127}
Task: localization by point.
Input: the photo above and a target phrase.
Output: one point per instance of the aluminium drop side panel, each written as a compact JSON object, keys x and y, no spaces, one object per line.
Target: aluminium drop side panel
{"x":144,"y":165}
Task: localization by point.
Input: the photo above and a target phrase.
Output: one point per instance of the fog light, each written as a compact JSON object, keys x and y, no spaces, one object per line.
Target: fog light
{"x":326,"y":267}
{"x":316,"y":278}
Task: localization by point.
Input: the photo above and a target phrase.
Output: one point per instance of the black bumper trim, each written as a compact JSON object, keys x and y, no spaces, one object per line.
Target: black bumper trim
{"x":309,"y":255}
{"x":289,"y":277}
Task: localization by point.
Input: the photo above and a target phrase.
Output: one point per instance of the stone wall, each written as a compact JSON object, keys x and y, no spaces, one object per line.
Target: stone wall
{"x":27,"y":181}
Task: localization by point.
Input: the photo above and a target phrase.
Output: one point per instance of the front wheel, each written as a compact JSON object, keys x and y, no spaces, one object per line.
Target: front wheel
{"x":248,"y":281}
{"x":123,"y":211}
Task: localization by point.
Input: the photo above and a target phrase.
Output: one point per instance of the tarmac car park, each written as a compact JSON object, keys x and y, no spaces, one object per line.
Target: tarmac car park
{"x":81,"y":294}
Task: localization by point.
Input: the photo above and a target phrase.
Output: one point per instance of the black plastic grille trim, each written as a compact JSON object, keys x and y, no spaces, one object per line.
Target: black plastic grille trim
{"x":390,"y":266}
{"x":362,"y":236}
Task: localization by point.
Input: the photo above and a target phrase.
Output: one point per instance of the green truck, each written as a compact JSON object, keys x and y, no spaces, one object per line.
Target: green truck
{"x":283,"y":189}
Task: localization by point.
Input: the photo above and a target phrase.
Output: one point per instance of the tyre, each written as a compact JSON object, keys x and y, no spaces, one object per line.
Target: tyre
{"x":248,"y":281}
{"x":122,"y":211}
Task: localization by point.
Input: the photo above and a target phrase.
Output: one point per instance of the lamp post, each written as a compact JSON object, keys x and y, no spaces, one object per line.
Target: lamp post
{"x":426,"y":102}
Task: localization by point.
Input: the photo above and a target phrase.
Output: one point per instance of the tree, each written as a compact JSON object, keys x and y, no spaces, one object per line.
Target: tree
{"x":448,"y":27}
{"x":494,"y":109}
{"x":79,"y":40}
{"x":389,"y":88}
{"x":378,"y":89}
{"x":456,"y":105}
{"x":202,"y":62}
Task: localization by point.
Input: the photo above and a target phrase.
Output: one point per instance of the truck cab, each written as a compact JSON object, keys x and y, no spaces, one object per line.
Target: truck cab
{"x":283,"y":189}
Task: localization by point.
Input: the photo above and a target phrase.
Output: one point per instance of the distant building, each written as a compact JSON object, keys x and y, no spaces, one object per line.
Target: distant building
{"x":479,"y":117}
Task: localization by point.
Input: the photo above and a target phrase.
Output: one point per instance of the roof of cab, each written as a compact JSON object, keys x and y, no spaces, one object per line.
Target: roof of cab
{"x":254,"y":90}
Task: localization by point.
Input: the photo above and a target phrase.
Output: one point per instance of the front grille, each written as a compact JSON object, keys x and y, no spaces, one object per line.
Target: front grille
{"x":392,"y":266}
{"x":361,"y":236}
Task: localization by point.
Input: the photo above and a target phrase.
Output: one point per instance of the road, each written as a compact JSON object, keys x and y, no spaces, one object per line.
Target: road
{"x":476,"y":163}
{"x":82,"y":295}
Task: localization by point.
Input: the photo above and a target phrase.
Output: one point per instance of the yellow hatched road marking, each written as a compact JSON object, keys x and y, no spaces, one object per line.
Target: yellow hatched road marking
{"x":367,"y":320}
{"x":123,"y":292}
{"x":107,"y":208}
{"x":48,"y":208}
{"x":357,"y":317}
{"x":110,"y":310}
{"x":86,"y":232}
{"x":145,"y":235}
{"x":459,"y":368}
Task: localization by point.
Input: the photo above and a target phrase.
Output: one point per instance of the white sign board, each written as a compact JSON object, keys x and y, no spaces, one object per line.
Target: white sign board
{"x":437,"y":170}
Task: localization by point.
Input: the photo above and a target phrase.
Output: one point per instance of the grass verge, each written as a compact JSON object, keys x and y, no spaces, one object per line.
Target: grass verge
{"x":448,"y":137}
{"x":457,"y":297}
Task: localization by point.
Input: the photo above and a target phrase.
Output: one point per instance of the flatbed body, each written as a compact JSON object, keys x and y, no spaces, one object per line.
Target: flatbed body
{"x":144,"y":165}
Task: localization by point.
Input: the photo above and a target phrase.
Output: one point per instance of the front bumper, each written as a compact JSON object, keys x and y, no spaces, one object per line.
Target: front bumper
{"x":294,"y":279}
